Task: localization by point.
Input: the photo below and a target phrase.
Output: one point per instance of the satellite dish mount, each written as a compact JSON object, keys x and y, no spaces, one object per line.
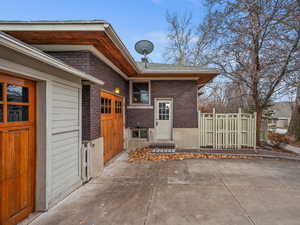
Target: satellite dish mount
{"x":144,"y":47}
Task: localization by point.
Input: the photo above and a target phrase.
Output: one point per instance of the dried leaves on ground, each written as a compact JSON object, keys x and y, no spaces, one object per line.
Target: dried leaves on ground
{"x":145,"y":154}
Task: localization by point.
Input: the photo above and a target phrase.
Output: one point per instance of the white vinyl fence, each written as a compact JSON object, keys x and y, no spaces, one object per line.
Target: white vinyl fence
{"x":227,"y":130}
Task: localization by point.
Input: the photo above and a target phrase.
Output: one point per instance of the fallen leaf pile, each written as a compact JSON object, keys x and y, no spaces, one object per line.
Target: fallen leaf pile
{"x":145,"y":154}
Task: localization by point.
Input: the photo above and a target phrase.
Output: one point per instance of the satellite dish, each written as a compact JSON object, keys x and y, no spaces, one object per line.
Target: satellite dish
{"x":144,"y":47}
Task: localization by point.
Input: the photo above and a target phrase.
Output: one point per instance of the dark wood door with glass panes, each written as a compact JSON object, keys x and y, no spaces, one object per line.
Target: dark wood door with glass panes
{"x":17,"y":148}
{"x":111,"y":124}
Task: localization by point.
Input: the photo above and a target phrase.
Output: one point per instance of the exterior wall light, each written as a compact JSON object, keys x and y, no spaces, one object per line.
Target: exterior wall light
{"x":117,"y":91}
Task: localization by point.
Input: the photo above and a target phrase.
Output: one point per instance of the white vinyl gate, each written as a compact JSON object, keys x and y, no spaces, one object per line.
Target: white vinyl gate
{"x":227,"y":130}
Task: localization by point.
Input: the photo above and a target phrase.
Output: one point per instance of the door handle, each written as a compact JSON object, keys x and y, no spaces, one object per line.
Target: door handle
{"x":156,"y":123}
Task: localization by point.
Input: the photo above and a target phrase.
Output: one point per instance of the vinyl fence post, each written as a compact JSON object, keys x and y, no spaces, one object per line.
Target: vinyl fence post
{"x":254,"y":130}
{"x":239,"y":128}
{"x":214,"y":129}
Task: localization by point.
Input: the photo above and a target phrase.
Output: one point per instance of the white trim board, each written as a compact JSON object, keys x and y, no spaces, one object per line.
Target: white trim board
{"x":90,"y":48}
{"x":161,"y":78}
{"x":139,"y":107}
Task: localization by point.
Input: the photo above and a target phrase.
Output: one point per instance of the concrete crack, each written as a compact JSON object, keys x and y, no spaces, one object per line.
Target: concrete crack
{"x":237,"y":200}
{"x":149,"y":206}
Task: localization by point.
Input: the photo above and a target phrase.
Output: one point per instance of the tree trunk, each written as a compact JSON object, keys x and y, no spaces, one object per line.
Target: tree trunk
{"x":258,"y":125}
{"x":294,"y":127}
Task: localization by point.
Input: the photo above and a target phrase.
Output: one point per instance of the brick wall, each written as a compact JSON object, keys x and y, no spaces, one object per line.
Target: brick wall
{"x":184,"y":94}
{"x":90,"y":64}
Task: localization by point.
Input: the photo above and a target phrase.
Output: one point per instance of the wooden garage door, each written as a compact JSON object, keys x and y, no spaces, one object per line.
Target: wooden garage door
{"x":17,"y":148}
{"x":111,"y":124}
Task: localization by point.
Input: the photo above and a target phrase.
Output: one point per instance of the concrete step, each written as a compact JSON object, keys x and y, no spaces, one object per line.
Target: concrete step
{"x":164,"y":145}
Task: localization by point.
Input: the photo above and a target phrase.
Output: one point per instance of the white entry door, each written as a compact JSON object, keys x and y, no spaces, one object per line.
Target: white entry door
{"x":163,"y":119}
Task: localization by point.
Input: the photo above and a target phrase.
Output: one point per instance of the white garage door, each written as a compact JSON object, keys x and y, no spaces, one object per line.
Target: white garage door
{"x":65,"y":164}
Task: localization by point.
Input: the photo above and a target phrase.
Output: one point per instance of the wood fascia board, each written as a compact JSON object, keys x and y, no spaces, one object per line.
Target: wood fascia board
{"x":25,"y":49}
{"x":72,"y":26}
{"x":89,"y":48}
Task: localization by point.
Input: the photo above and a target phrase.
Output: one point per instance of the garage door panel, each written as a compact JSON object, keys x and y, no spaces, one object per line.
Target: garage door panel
{"x":61,"y":146}
{"x":57,"y":139}
{"x":65,"y":97}
{"x":63,"y":88}
{"x":64,"y":111}
{"x":65,"y":139}
{"x":65,"y":123}
{"x":65,"y":116}
{"x":65,"y":105}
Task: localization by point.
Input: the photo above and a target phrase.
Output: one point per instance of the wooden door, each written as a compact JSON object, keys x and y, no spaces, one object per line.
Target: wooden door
{"x":17,"y":148}
{"x":111,"y":124}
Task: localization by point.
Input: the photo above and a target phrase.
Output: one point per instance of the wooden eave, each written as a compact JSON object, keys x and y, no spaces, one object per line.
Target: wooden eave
{"x":105,"y":43}
{"x":99,"y":39}
{"x":202,"y":79}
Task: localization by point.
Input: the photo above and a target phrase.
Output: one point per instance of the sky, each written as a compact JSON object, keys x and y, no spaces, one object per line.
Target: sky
{"x":133,"y":20}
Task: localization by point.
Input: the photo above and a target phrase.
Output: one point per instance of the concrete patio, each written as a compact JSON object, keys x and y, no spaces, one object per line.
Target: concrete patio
{"x":201,"y":191}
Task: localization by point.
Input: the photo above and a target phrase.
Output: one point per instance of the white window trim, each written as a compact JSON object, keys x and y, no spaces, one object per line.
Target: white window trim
{"x":137,"y":105}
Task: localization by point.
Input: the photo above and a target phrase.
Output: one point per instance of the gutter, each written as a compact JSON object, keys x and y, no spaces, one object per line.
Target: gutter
{"x":32,"y":52}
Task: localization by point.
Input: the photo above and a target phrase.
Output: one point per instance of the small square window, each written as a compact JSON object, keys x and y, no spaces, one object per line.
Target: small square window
{"x":17,"y":93}
{"x":17,"y":113}
{"x":139,"y":133}
{"x":143,"y":133}
{"x":135,"y":133}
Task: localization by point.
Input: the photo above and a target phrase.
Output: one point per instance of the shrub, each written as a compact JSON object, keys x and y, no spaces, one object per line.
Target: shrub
{"x":277,"y":139}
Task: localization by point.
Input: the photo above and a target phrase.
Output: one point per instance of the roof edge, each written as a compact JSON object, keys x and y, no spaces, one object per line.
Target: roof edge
{"x":119,"y":43}
{"x":30,"y":51}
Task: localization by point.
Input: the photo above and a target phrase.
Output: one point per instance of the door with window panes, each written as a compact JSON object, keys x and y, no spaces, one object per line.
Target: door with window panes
{"x":163,"y":119}
{"x":17,"y":148}
{"x":111,"y":124}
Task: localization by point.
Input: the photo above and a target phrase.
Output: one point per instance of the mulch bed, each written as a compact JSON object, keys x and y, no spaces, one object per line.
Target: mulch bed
{"x":146,"y":154}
